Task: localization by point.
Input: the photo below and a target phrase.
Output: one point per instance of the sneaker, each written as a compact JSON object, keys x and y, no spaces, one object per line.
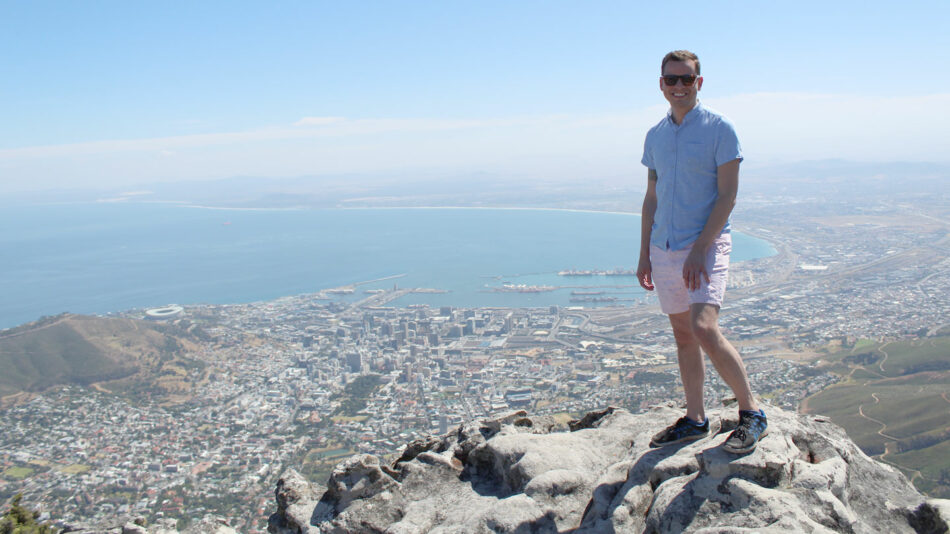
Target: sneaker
{"x":681,"y":431}
{"x":752,"y":427}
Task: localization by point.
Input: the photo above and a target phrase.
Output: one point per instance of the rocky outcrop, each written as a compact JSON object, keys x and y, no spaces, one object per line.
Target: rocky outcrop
{"x":523,"y":474}
{"x":209,"y":524}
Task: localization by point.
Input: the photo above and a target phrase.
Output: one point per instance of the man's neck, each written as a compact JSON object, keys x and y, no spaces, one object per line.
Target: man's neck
{"x":680,"y":113}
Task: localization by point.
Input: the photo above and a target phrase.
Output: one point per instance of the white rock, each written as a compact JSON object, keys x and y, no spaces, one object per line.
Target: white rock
{"x":516,"y":474}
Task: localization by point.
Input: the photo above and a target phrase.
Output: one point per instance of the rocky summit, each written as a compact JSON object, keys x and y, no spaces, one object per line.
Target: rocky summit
{"x":524,"y":474}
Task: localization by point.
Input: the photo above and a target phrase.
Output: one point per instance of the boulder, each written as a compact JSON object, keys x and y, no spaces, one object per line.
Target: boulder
{"x":522,"y":474}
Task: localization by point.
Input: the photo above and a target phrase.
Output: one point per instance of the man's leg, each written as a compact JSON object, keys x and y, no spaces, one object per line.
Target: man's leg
{"x":692,"y":366}
{"x":704,"y":322}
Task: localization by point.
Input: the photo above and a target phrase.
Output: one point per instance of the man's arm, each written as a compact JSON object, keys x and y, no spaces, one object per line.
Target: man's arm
{"x":727,"y":180}
{"x":647,"y":213}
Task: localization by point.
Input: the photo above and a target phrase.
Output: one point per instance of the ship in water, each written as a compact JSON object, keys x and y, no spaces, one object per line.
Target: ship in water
{"x":600,"y":299}
{"x":341,"y":291}
{"x":522,"y":288}
{"x":597,"y":272}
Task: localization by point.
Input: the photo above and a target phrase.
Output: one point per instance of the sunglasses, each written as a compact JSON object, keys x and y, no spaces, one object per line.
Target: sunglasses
{"x":687,"y":79}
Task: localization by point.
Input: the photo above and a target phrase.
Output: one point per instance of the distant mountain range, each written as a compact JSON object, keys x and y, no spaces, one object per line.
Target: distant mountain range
{"x":622,"y":192}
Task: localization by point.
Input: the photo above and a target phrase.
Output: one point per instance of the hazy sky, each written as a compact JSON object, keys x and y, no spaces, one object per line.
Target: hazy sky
{"x":119,"y":93}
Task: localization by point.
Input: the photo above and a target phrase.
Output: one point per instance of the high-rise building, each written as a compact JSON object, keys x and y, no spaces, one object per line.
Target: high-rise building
{"x":354,"y":361}
{"x":443,"y":425}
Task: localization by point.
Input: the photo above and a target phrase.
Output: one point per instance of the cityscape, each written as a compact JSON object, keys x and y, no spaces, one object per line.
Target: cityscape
{"x":305,"y":381}
{"x":251,"y":257}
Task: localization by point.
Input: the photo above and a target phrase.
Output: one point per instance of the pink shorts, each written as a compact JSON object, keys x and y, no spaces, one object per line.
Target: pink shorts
{"x":667,"y":267}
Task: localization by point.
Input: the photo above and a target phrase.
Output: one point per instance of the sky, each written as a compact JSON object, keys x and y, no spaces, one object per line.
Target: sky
{"x":118,"y":94}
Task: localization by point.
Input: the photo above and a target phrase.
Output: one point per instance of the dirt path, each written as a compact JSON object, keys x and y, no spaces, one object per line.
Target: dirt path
{"x":882,"y":351}
{"x":888,"y":449}
{"x":915,"y":474}
{"x":18,"y":334}
{"x":15,"y":398}
{"x":803,"y":406}
{"x":865,"y":369}
{"x":869,"y":418}
{"x":101,"y":389}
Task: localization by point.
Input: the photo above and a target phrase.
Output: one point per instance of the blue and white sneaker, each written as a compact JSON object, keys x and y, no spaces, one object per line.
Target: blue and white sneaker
{"x":753,"y":426}
{"x":683,"y":430}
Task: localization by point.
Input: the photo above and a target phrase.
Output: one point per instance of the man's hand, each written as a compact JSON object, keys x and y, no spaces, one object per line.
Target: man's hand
{"x":693,"y":268}
{"x":645,"y":273}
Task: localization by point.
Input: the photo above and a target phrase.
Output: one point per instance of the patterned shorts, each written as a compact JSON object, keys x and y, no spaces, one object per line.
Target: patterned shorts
{"x":667,"y":266}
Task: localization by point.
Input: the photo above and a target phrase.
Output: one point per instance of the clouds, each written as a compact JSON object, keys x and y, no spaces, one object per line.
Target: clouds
{"x":772,"y":126}
{"x":801,"y":126}
{"x":317,"y":121}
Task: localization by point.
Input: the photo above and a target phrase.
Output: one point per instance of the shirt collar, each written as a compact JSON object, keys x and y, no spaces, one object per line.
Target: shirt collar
{"x":696,"y":110}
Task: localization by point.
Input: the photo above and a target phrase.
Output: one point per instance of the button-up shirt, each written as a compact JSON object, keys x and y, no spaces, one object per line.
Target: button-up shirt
{"x":686,"y":158}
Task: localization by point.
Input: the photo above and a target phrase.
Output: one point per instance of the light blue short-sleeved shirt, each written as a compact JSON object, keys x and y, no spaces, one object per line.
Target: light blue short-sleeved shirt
{"x":686,"y":158}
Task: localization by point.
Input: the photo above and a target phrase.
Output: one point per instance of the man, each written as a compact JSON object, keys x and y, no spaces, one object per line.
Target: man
{"x":692,"y":157}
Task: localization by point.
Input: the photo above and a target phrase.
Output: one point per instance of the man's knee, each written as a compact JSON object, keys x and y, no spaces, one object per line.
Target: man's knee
{"x":707,"y":335}
{"x":686,"y":342}
{"x":682,"y":330}
{"x":704,"y":324}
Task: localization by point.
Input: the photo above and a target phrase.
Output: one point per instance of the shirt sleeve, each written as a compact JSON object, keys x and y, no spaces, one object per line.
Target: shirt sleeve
{"x":727,"y":148}
{"x":647,"y":159}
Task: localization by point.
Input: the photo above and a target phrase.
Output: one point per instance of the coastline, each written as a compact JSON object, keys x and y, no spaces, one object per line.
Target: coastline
{"x":489,"y":208}
{"x":749,"y":233}
{"x":159,"y":253}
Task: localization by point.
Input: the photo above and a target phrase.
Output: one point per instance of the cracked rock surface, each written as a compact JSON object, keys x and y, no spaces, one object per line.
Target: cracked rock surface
{"x":523,"y":474}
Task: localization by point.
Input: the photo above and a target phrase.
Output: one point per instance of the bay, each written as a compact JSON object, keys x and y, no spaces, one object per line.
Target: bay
{"x":109,"y":257}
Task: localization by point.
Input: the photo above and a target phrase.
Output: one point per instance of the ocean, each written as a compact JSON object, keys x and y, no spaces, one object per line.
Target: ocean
{"x":109,"y":257}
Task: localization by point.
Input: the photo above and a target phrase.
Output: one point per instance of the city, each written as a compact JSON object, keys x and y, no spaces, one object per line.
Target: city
{"x":305,"y":381}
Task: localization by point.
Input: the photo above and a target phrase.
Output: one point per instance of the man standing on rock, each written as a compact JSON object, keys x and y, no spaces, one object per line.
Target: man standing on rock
{"x":692,"y":157}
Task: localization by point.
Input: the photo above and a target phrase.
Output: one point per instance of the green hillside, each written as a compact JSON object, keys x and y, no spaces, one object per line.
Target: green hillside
{"x":54,"y":354}
{"x":894,"y":402}
{"x":75,"y":349}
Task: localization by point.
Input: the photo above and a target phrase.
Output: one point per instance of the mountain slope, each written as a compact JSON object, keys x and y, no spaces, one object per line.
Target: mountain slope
{"x":893,"y":401}
{"x":76,"y":349}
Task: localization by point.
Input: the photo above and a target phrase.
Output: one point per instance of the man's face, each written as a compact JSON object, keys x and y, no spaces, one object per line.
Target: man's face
{"x":679,"y":95}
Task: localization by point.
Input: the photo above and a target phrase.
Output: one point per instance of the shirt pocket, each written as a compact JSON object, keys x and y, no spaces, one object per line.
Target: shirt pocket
{"x":699,"y":158}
